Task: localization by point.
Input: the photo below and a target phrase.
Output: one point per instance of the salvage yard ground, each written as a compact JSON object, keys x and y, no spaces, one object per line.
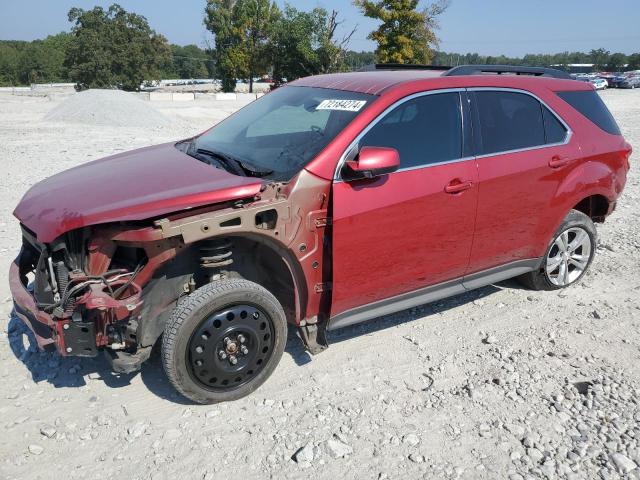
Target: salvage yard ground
{"x":497,"y":383}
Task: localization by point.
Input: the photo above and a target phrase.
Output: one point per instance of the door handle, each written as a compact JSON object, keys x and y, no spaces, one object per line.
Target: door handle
{"x":557,"y":161}
{"x":456,"y":186}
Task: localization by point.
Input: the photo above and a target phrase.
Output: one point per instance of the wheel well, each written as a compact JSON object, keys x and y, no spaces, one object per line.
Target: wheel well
{"x":258,"y":262}
{"x":254,"y":259}
{"x":595,"y":206}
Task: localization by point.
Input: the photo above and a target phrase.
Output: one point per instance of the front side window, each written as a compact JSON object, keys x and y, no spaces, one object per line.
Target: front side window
{"x":509,"y":121}
{"x":278,"y":134}
{"x":425,"y":130}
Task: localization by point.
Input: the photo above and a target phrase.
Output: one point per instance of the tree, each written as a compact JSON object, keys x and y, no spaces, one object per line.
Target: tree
{"x":259,"y":17}
{"x":357,"y":60}
{"x":9,"y":56}
{"x":633,"y":62}
{"x":305,"y":43}
{"x":406,"y":35}
{"x":43,"y":60}
{"x":114,"y":48}
{"x":241,"y":30}
{"x":616,"y":62}
{"x":189,"y":61}
{"x":599,"y":58}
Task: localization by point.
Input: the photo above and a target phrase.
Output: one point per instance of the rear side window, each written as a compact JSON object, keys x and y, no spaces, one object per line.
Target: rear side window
{"x":424,"y":130}
{"x":554,"y":130}
{"x":589,"y":104}
{"x":509,"y":121}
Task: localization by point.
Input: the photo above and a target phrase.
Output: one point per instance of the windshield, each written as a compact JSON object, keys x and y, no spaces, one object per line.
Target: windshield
{"x":278,"y":134}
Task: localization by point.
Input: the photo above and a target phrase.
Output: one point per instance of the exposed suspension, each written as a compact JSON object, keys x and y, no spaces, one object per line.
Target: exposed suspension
{"x":216,"y":256}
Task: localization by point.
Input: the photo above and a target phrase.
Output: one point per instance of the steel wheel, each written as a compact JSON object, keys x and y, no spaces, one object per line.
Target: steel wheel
{"x":568,"y":257}
{"x":230,"y":347}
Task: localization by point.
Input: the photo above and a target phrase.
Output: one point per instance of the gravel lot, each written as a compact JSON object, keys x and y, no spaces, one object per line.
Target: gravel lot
{"x":498,"y":383}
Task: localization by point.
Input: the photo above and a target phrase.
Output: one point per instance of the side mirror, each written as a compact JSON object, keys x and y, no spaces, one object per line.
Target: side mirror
{"x":373,"y":162}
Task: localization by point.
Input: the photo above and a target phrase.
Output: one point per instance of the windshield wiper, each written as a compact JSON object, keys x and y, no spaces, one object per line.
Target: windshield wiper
{"x":253,"y":170}
{"x":235,"y":165}
{"x":230,"y":163}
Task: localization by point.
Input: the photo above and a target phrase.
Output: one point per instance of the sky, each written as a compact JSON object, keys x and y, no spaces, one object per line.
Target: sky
{"x":487,"y":27}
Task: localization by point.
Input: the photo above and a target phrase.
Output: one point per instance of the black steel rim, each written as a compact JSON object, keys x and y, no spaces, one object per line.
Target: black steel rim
{"x":230,"y":347}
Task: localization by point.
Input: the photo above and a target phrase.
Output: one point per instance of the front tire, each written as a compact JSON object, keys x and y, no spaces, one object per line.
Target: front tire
{"x":568,"y":256}
{"x":223,"y":341}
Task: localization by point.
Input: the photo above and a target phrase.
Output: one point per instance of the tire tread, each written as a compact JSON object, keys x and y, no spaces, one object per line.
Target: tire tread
{"x":186,"y":308}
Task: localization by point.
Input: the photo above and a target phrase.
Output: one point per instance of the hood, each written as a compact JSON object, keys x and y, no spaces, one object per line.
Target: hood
{"x":135,"y":185}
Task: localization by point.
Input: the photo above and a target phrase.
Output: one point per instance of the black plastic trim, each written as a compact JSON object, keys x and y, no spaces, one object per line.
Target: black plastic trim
{"x":402,"y":66}
{"x":512,"y":69}
{"x":432,"y":293}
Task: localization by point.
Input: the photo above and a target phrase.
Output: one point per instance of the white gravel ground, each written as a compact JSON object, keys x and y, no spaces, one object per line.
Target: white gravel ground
{"x":497,"y":383}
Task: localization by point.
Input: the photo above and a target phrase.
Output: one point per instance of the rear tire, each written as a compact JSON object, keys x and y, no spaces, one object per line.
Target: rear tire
{"x":568,"y":255}
{"x":223,"y":341}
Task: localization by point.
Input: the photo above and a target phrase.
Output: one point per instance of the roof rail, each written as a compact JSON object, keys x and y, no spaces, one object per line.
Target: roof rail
{"x":401,"y":66}
{"x":500,"y":69}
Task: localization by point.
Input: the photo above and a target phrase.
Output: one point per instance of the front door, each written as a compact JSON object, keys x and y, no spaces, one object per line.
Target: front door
{"x":414,"y":227}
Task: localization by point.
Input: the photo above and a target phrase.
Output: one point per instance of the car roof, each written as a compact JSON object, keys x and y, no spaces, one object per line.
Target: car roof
{"x":372,"y":82}
{"x":377,"y":82}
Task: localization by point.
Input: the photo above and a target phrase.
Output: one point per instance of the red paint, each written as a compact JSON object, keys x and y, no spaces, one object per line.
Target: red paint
{"x":375,"y":160}
{"x":135,"y":185}
{"x":390,"y":235}
{"x":400,"y":232}
{"x":26,"y":304}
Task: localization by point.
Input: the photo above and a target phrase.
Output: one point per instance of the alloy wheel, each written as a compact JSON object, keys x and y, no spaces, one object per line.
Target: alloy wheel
{"x":568,"y":257}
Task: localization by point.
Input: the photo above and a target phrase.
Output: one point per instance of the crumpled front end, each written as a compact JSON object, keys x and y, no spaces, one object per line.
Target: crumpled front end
{"x":66,"y":305}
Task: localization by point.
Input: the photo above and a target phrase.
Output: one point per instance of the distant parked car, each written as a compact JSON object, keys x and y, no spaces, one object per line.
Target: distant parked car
{"x":609,"y":77}
{"x":630,"y":82}
{"x":599,"y":83}
{"x":617,"y":80}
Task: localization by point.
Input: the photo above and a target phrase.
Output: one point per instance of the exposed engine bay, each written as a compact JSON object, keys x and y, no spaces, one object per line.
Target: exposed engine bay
{"x":111,"y":287}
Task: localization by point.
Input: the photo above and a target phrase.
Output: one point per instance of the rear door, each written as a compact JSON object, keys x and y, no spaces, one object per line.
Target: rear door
{"x":412,"y":228}
{"x":523,"y":153}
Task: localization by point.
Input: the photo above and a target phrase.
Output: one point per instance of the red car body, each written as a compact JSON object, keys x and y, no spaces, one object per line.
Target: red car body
{"x":350,"y":250}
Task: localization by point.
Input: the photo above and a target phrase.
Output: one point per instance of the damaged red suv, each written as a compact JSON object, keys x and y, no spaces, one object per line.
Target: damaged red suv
{"x":330,"y":201}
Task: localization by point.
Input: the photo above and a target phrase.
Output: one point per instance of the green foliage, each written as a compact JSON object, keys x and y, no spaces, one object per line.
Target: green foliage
{"x":304,"y":43}
{"x":616,"y":62}
{"x":633,"y":62}
{"x":601,"y":58}
{"x":406,"y":34}
{"x":356,"y":60}
{"x":242,"y":29}
{"x":114,"y":48}
{"x":9,"y":58}
{"x":43,"y":60}
{"x":40,"y":61}
{"x":189,"y":61}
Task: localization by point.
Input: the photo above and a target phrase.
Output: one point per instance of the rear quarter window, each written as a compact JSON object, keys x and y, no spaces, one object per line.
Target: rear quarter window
{"x":555,"y":132}
{"x":589,"y":104}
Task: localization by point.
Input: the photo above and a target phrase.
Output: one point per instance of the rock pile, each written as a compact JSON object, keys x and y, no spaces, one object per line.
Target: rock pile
{"x":113,"y":108}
